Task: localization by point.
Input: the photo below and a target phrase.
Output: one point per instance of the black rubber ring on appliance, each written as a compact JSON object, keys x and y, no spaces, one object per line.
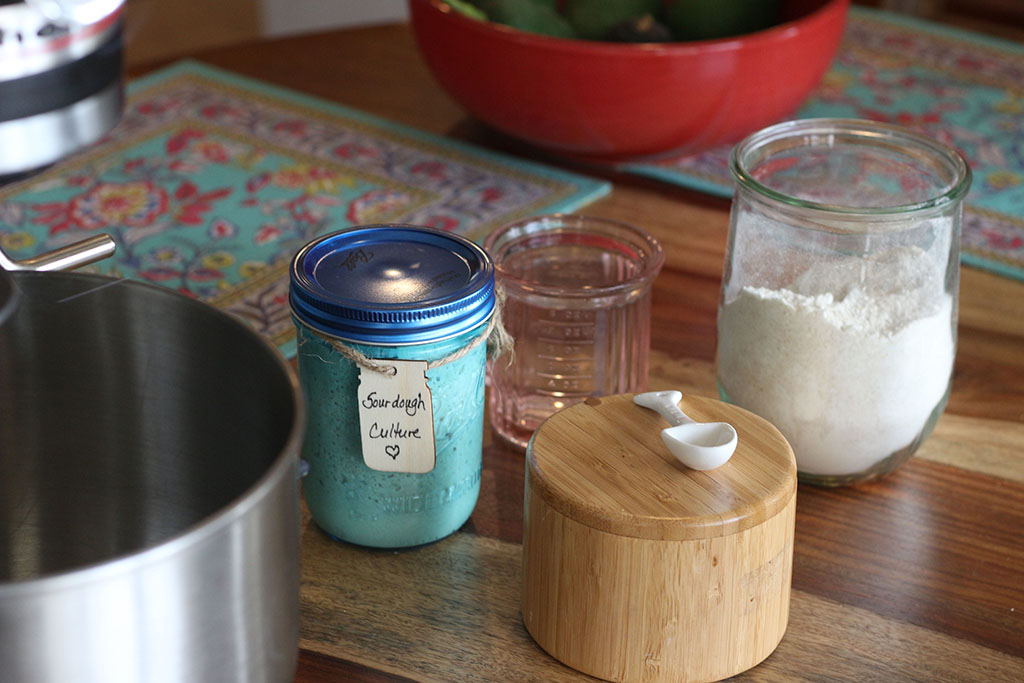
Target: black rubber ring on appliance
{"x":63,"y":86}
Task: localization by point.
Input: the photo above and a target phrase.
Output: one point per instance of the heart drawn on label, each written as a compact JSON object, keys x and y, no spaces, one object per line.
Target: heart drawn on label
{"x":392,"y":451}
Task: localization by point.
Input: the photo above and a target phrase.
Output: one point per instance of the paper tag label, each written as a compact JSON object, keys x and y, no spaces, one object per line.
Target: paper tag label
{"x":396,"y":418}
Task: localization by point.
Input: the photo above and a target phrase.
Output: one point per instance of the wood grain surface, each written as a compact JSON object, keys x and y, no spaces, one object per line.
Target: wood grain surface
{"x":602,"y":463}
{"x":450,"y":612}
{"x":918,"y":576}
{"x":638,"y":609}
{"x":155,"y":29}
{"x":636,"y":568}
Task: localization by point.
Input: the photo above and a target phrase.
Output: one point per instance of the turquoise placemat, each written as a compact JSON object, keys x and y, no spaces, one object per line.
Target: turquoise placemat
{"x":211,"y":182}
{"x":962,"y":88}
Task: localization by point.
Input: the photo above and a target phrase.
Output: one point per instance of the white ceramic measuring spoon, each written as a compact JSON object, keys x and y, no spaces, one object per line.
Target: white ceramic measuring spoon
{"x":698,"y":445}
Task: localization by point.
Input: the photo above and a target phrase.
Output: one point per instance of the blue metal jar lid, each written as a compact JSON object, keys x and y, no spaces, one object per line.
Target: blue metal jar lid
{"x":392,"y":284}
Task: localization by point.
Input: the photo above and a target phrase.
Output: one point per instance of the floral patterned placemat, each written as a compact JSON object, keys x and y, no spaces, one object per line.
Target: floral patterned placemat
{"x":211,"y":182}
{"x":961,"y":88}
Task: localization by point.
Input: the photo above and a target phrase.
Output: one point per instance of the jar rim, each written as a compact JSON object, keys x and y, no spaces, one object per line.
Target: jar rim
{"x":595,"y":226}
{"x":817,"y":131}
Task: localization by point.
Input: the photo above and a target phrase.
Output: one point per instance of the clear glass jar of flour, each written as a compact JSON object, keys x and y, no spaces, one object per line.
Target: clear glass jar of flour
{"x":837,"y":320}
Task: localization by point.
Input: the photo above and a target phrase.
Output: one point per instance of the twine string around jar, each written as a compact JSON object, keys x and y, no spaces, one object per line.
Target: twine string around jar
{"x":499,"y":341}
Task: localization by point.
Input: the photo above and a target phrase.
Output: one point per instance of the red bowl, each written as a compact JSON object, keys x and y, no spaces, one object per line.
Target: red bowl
{"x":617,"y":102}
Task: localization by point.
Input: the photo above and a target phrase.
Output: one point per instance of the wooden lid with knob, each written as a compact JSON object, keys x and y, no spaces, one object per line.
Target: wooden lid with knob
{"x":603,"y":464}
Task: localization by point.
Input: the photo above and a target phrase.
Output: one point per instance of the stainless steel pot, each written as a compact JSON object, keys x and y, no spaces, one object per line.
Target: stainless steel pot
{"x":149,"y":518}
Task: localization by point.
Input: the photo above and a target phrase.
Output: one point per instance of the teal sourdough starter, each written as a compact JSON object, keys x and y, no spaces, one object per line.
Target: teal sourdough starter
{"x":391,"y":509}
{"x":391,"y":283}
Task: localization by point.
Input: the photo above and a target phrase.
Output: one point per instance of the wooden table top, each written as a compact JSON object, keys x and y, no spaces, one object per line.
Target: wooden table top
{"x":918,"y":576}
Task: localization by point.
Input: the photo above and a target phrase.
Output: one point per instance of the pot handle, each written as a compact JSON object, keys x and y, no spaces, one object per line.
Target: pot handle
{"x":77,"y":254}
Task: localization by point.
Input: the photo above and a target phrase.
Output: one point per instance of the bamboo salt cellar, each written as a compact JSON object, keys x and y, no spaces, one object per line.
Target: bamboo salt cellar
{"x":637,"y":568}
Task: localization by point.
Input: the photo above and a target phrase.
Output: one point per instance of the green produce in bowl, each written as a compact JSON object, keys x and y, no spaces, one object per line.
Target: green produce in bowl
{"x":645,"y":29}
{"x":467,"y":8}
{"x":535,"y":16}
{"x":593,"y":19}
{"x":705,"y":19}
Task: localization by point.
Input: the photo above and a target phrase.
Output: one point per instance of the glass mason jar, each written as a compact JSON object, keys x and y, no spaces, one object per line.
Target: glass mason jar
{"x":837,"y":319}
{"x":392,"y":324}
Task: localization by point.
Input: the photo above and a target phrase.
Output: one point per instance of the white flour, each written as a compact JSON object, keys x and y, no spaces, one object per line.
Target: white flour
{"x":851,"y":377}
